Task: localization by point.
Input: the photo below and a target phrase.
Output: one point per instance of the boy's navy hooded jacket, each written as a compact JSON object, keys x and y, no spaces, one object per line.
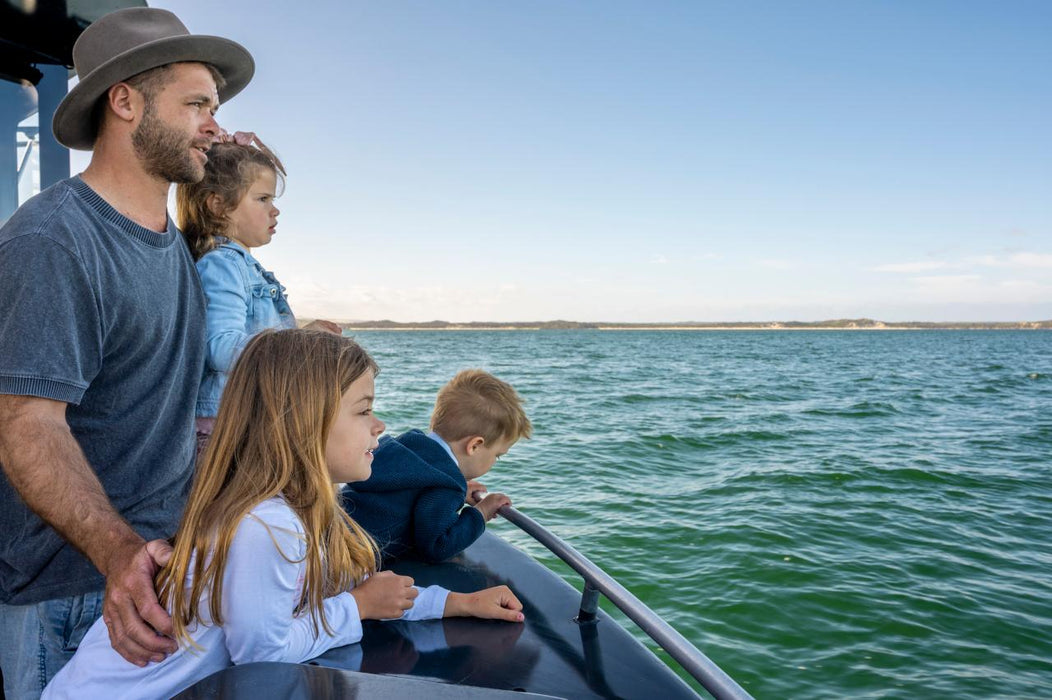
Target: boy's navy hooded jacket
{"x":414,"y":500}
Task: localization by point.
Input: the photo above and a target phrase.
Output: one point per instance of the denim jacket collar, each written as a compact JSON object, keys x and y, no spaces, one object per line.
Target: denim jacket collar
{"x":231,"y":244}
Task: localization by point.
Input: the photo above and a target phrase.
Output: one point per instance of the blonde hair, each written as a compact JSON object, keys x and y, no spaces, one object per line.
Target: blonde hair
{"x":269,"y":439}
{"x":475,"y":402}
{"x":229,"y":173}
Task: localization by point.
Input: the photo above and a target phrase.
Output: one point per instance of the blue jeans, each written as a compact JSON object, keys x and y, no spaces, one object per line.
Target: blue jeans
{"x":37,"y":640}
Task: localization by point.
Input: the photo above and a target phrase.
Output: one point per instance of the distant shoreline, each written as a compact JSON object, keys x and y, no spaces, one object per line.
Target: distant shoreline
{"x":830,"y":325}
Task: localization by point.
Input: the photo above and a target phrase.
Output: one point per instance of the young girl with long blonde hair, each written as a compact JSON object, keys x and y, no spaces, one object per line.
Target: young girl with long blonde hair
{"x":266,"y":564}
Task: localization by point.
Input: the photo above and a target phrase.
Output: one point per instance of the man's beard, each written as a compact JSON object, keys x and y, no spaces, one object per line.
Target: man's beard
{"x":165,"y":152}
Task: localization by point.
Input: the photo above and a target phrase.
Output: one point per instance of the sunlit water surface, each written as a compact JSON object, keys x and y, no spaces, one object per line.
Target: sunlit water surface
{"x":824,"y":514}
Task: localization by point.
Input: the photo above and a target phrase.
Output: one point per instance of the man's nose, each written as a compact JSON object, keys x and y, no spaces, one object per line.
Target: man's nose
{"x":211,"y":127}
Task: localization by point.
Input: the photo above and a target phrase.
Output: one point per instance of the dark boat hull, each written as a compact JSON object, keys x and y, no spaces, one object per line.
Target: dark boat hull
{"x":549,"y":654}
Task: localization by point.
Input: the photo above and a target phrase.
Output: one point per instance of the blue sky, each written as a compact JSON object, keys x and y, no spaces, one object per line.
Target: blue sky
{"x":653,"y":161}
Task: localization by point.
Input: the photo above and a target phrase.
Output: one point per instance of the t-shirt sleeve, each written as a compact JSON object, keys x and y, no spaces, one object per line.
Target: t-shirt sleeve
{"x":260,"y":589}
{"x":51,"y":335}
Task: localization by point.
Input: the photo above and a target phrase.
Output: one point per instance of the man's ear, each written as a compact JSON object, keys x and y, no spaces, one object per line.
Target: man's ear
{"x":124,"y":102}
{"x":474,"y":444}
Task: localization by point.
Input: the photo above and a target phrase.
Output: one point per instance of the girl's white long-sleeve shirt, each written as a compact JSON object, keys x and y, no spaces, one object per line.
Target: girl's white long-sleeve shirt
{"x":261,"y":589}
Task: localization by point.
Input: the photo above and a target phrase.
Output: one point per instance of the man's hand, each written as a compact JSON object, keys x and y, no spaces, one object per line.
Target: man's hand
{"x":383,"y":596}
{"x":134,"y":617}
{"x":493,"y":502}
{"x":497,"y":603}
{"x":476,"y":491}
{"x":322,"y":325}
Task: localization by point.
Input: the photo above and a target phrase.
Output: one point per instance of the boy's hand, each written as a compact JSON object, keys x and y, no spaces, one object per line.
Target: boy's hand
{"x":489,"y":505}
{"x":497,"y":603}
{"x":384,"y":595}
{"x":474,"y":498}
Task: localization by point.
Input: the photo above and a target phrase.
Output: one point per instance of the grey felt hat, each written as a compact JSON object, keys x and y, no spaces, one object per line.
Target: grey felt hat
{"x":126,"y":42}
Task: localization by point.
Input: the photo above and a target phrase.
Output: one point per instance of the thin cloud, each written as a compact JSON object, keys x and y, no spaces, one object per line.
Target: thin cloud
{"x":1025,"y":285}
{"x":774,"y":264}
{"x":1042,"y":260}
{"x":659,"y":260}
{"x":1015,"y":260}
{"x":950,"y":288}
{"x":421,"y":303}
{"x":975,"y":289}
{"x":1027,"y":260}
{"x":912,"y":267}
{"x":946,"y":280}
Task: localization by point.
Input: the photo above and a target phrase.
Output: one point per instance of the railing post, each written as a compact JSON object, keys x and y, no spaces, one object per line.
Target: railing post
{"x":597,"y":581}
{"x":589,"y":604}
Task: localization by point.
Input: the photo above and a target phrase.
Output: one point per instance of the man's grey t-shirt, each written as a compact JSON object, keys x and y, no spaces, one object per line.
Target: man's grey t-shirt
{"x":108,"y":317}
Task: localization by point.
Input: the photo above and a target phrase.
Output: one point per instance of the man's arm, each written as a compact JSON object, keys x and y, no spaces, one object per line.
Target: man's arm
{"x":47,"y":468}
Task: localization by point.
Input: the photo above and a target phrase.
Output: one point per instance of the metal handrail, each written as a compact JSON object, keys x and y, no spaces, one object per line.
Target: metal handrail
{"x":703,"y":669}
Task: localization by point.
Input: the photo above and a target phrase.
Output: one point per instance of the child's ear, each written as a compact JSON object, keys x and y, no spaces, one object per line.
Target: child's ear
{"x":215,"y":204}
{"x":475,"y":443}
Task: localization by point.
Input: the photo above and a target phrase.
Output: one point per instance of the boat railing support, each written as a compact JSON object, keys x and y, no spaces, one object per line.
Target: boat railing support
{"x":589,"y":604}
{"x":597,"y":581}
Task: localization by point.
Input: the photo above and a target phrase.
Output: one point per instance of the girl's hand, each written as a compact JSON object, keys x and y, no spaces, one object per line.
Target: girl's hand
{"x":321,"y":325}
{"x":491,"y":504}
{"x":384,"y":595}
{"x":497,"y":603}
{"x":241,"y":138}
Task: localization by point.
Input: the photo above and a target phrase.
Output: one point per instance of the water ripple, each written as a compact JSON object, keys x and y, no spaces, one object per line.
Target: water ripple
{"x":825,"y":514}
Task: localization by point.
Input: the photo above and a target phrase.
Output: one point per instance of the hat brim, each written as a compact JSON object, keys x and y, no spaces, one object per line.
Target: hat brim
{"x":72,"y":123}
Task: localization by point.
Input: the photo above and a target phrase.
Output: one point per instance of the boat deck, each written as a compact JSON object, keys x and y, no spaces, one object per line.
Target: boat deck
{"x":549,"y":654}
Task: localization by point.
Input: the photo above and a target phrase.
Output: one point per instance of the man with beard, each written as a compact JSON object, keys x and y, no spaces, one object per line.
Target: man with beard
{"x":102,"y":348}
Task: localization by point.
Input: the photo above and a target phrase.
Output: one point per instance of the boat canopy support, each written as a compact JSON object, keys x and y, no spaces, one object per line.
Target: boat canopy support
{"x":597,"y":581}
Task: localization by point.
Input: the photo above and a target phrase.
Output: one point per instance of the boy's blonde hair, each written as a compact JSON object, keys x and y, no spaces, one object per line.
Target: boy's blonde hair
{"x":475,"y":402}
{"x":269,"y":439}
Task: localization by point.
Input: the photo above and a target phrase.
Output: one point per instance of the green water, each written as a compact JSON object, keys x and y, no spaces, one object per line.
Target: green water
{"x":824,"y":514}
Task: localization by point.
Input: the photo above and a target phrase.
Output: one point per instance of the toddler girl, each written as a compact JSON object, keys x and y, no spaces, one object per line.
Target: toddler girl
{"x":266,"y":564}
{"x":224,"y":217}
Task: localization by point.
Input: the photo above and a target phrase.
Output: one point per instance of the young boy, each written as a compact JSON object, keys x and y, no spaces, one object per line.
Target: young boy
{"x":415,"y":499}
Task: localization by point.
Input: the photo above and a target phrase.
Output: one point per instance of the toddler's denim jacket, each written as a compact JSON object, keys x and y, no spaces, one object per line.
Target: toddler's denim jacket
{"x":243,"y":299}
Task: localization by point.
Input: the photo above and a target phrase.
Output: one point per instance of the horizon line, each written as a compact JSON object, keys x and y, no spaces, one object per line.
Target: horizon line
{"x":847,"y":323}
